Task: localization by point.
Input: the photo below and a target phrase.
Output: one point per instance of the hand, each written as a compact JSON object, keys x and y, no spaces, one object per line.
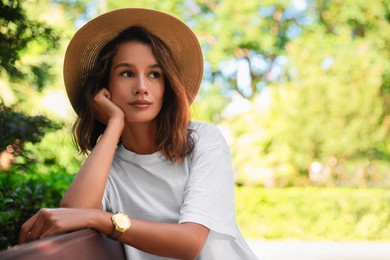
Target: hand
{"x":48,"y":222}
{"x":104,"y":108}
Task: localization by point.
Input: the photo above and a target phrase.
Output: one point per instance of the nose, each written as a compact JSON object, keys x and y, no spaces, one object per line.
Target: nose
{"x":140,"y":87}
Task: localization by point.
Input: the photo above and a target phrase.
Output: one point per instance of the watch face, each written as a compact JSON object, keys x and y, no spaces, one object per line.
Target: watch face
{"x":122,"y":220}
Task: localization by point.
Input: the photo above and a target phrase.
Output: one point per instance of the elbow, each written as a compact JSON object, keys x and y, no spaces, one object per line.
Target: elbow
{"x":195,"y":240}
{"x":192,"y":255}
{"x":65,"y":204}
{"x":190,"y":251}
{"x":193,"y":250}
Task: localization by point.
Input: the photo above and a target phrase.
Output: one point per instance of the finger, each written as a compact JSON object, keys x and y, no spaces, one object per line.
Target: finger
{"x":37,"y":229}
{"x":106,"y":93}
{"x":26,"y":227}
{"x":50,"y":231}
{"x":103,"y":92}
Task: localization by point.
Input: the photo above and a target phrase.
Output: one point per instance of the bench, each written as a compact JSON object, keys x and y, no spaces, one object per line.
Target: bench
{"x":84,"y":244}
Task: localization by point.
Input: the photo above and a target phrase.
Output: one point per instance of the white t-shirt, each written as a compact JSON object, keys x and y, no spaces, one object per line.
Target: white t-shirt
{"x":200,"y":190}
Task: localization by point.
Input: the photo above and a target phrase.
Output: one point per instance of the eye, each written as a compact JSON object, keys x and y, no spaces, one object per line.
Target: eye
{"x":127,"y":74}
{"x":155,"y":75}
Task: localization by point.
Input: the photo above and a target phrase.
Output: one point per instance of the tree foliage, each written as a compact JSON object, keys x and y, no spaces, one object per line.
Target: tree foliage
{"x":259,"y":31}
{"x":31,"y":37}
{"x":17,"y":128}
{"x":329,"y":103}
{"x":331,"y":109}
{"x":17,"y":31}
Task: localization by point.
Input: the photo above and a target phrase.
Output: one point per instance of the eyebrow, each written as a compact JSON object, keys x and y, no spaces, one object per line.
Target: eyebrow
{"x":127,"y":65}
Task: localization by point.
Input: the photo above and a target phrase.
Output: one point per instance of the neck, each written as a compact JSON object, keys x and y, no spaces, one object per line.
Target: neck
{"x":140,"y":138}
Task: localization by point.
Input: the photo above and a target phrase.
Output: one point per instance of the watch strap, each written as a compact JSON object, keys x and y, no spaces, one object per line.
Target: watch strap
{"x":115,"y":234}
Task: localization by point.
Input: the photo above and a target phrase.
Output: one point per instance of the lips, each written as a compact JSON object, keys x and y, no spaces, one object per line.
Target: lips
{"x":140,"y":103}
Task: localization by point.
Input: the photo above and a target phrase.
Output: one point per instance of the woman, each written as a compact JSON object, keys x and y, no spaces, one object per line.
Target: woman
{"x":159,"y":183}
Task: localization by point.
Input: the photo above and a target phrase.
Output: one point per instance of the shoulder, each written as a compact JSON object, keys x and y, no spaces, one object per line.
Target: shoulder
{"x":203,"y":127}
{"x":206,"y":134}
{"x":201,"y":130}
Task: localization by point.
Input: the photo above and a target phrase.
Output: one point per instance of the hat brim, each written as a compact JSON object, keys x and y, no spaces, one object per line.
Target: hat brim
{"x":86,"y":44}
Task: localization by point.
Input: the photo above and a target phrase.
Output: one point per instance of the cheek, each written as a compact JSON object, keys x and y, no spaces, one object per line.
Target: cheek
{"x":117,"y":97}
{"x":117,"y":91}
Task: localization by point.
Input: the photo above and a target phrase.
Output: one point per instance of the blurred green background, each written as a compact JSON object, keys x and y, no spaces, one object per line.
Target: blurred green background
{"x":299,"y":88}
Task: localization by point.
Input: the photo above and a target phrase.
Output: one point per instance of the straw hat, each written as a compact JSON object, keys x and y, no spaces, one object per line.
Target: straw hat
{"x":85,"y":46}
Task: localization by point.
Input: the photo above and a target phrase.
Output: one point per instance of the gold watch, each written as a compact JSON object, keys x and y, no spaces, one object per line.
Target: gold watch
{"x":121,"y":223}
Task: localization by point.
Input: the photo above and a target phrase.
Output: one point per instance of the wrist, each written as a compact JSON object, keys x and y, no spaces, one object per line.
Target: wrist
{"x":100,"y":220}
{"x":114,"y":128}
{"x":117,"y":122}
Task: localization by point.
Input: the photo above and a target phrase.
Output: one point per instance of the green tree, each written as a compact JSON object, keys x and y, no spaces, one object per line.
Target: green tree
{"x":331,"y":109}
{"x":331,"y":104}
{"x":248,"y":32}
{"x":18,"y":34}
{"x":260,"y":30}
{"x":33,"y":36}
{"x":361,"y":20}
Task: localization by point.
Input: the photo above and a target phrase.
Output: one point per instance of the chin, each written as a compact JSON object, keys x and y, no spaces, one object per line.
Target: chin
{"x":141,"y":120}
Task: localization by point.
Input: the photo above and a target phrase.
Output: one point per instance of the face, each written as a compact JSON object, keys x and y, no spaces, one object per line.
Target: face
{"x":136,"y":82}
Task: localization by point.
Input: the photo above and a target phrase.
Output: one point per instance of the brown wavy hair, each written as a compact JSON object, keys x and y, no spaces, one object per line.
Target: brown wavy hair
{"x":174,"y":139}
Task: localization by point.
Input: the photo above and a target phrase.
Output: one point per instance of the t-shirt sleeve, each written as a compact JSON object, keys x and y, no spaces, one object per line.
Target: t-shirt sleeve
{"x":209,"y":193}
{"x":106,"y":205}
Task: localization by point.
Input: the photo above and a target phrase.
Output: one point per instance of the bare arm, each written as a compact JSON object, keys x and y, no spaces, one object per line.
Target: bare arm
{"x":86,"y":190}
{"x":180,"y":241}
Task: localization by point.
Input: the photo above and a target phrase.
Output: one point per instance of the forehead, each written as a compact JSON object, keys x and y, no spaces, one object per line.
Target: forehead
{"x":134,"y":51}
